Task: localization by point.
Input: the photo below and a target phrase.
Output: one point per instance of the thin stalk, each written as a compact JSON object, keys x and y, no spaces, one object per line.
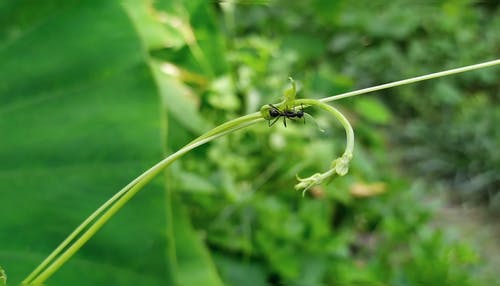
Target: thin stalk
{"x":411,"y":80}
{"x":109,"y":208}
{"x":80,"y":228}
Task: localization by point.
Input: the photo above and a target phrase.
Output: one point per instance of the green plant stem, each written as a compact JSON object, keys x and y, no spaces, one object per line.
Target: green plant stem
{"x":115,"y":203}
{"x":340,"y":165}
{"x":98,"y":218}
{"x":80,"y":228}
{"x":411,"y":80}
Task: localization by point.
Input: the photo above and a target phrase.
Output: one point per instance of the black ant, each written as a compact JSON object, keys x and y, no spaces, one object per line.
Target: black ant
{"x":274,"y":112}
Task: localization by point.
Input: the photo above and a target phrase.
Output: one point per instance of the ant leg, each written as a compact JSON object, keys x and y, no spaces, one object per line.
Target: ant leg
{"x":284,"y":115}
{"x":271,"y":124}
{"x":303,"y":115}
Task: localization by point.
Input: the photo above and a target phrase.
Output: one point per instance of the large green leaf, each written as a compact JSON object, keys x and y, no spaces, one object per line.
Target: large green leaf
{"x":79,"y":118}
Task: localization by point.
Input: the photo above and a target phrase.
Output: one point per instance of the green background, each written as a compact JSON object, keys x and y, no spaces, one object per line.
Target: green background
{"x":92,"y":93}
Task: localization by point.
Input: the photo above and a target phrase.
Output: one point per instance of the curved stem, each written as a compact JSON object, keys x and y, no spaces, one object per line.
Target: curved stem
{"x":99,"y":217}
{"x":115,"y":203}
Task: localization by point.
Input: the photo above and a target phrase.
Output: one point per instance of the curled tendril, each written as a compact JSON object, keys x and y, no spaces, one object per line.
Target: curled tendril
{"x":340,"y":165}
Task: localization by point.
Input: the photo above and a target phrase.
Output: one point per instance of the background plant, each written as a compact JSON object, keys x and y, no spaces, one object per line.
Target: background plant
{"x":212,"y":63}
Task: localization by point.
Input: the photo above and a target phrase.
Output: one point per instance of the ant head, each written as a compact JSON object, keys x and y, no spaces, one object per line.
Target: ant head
{"x":274,"y":111}
{"x":300,"y":113}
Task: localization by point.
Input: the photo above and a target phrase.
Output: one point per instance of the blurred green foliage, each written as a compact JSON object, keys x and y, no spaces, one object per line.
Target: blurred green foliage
{"x":81,"y":78}
{"x":242,"y":198}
